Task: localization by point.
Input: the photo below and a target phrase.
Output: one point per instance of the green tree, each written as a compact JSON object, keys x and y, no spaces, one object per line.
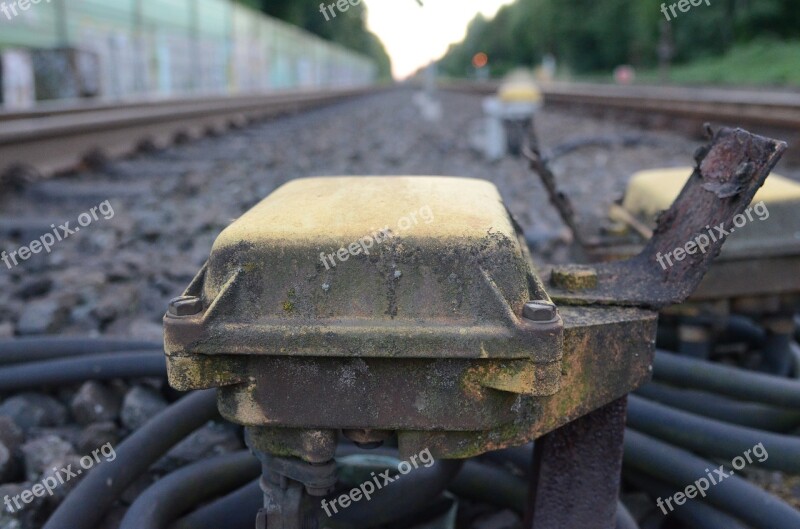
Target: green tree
{"x":597,"y":35}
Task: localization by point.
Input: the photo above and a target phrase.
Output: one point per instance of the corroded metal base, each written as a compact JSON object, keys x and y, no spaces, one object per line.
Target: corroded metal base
{"x":576,"y":472}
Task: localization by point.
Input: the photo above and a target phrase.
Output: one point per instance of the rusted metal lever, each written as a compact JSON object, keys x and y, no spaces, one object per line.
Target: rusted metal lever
{"x":728,"y":173}
{"x":559,"y":199}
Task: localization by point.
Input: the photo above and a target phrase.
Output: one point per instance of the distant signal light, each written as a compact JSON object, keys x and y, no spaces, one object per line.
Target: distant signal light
{"x":480,"y":60}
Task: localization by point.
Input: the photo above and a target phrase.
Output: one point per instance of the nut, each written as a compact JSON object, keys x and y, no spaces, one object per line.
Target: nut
{"x":540,"y":311}
{"x":185,"y":306}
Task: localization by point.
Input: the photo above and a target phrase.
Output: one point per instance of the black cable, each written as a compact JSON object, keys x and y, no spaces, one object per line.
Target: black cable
{"x":21,"y":350}
{"x":752,"y":415}
{"x":237,"y":510}
{"x":82,"y":368}
{"x":88,"y":503}
{"x":402,"y":497}
{"x":250,"y":498}
{"x":711,"y":437}
{"x":695,"y":514}
{"x":777,"y":356}
{"x":476,"y":480}
{"x":737,"y":383}
{"x":490,"y":484}
{"x":794,"y":348}
{"x":625,"y":519}
{"x":740,"y":328}
{"x":178,"y":492}
{"x":733,"y":495}
{"x":393,"y":502}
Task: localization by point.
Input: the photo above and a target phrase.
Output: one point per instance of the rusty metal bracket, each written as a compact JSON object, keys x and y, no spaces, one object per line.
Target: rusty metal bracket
{"x":727,"y":175}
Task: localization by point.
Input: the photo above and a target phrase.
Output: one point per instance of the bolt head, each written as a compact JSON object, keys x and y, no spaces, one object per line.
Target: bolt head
{"x":540,"y":311}
{"x":185,"y":306}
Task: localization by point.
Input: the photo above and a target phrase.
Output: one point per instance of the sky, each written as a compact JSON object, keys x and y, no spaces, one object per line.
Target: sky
{"x":415,"y":35}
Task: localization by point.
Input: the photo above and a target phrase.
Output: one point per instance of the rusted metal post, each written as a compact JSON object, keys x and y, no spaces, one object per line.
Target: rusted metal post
{"x":576,"y":472}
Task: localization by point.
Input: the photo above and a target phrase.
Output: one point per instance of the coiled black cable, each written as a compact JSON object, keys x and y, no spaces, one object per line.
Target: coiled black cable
{"x":749,"y":414}
{"x":734,"y":496}
{"x":693,"y":513}
{"x":736,"y":383}
{"x":168,"y":498}
{"x":79,"y":369}
{"x":88,"y":503}
{"x":713,"y":438}
{"x":21,"y":350}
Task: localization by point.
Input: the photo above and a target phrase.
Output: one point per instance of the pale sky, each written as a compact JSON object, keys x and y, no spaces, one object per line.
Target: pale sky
{"x":415,"y":35}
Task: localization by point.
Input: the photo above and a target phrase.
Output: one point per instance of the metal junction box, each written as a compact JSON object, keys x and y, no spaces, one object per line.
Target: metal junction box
{"x":385,"y":305}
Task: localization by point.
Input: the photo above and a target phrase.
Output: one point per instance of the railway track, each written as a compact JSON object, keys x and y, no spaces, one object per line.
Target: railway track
{"x":772,"y":110}
{"x":55,"y":138}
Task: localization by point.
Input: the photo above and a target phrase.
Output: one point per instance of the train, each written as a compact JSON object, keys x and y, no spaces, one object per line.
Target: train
{"x":146,"y":49}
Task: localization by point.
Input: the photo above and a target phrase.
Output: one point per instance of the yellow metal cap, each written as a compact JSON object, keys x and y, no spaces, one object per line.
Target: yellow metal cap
{"x":652,"y":191}
{"x":519,"y":92}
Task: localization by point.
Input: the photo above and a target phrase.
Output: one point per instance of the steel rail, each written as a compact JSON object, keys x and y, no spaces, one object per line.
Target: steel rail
{"x":720,"y":106}
{"x":57,"y":139}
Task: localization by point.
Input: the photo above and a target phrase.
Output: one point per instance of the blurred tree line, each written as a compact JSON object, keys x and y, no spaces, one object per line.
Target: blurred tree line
{"x":348,"y":29}
{"x":598,"y":35}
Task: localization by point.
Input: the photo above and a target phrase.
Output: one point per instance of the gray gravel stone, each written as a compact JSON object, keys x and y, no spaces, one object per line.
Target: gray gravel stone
{"x":69,"y":433}
{"x":33,"y":287}
{"x":63,"y":466}
{"x":45,"y":316}
{"x":29,"y":410}
{"x":28,"y":515}
{"x":42,"y":454}
{"x":140,"y":404}
{"x":8,"y":521}
{"x":10,"y":434}
{"x":98,"y":434}
{"x":7,"y":463}
{"x":95,"y":402}
{"x":11,"y":439}
{"x":116,"y":301}
{"x":211,"y":440}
